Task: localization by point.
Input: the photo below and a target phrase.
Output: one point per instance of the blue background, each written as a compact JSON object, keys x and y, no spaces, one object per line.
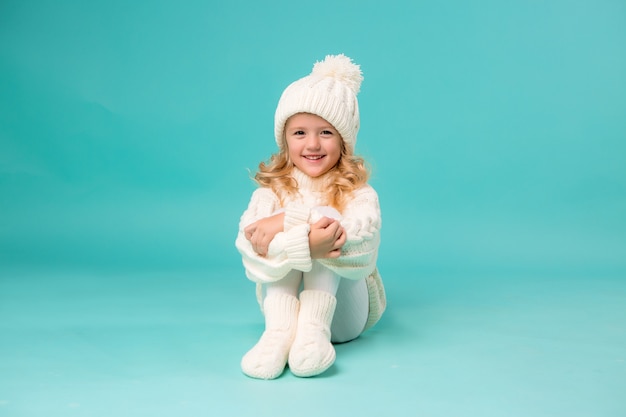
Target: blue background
{"x":497,"y":136}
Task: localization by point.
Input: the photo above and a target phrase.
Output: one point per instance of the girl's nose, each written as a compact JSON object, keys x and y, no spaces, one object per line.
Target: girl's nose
{"x":313,"y":142}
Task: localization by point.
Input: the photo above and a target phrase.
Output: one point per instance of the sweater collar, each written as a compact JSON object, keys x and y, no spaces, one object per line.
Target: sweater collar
{"x":307,"y":183}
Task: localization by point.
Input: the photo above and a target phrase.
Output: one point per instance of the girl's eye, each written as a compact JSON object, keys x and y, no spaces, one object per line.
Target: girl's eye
{"x":298,"y":133}
{"x":327,"y":132}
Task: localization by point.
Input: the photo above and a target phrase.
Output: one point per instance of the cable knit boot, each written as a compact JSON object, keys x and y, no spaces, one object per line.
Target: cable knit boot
{"x":311,"y":352}
{"x":267,"y":359}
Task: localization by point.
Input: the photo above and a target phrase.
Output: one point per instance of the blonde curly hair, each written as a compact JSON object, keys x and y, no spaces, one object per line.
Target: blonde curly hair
{"x":349,"y":174}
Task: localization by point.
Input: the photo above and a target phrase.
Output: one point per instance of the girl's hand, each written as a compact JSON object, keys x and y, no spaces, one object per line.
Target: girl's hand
{"x":326,"y":238}
{"x":262,"y":232}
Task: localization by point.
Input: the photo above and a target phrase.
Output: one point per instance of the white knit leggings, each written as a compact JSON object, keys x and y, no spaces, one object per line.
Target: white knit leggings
{"x":352,"y":298}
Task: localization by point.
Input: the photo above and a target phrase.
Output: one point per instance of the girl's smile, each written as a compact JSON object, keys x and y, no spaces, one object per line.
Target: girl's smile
{"x":314,"y":144}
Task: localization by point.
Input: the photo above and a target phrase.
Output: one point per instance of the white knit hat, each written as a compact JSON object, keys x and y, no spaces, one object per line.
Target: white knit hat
{"x":329,"y":92}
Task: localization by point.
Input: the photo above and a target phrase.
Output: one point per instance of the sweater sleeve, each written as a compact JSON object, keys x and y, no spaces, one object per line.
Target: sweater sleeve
{"x":288,"y":250}
{"x":362,"y":222}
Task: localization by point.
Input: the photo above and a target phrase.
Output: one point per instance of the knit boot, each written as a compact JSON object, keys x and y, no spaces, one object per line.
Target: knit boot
{"x":311,"y":352}
{"x":267,"y":359}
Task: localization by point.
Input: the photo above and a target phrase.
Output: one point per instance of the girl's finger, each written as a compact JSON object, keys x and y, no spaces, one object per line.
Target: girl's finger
{"x":249,"y":231}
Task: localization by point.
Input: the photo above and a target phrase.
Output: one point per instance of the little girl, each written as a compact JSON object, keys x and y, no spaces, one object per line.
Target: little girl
{"x":310,"y":235}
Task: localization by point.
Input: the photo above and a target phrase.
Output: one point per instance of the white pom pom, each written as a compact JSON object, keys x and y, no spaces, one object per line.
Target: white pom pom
{"x":342,"y":68}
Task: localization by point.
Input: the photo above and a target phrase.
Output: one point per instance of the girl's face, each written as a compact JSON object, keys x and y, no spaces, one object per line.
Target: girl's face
{"x":314,"y":145}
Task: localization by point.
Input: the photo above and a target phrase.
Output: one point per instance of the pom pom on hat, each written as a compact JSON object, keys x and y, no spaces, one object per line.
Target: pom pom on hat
{"x":329,"y":92}
{"x":341,"y":68}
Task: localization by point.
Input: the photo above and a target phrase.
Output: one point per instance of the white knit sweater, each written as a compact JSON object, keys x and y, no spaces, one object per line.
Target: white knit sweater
{"x":290,"y":249}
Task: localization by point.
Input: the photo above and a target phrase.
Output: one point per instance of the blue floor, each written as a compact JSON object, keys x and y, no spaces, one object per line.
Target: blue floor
{"x":168,"y":344}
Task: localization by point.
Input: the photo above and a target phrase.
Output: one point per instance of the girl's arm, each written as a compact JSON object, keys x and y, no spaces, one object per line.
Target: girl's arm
{"x":262,"y":232}
{"x":287,"y":250}
{"x":362,"y":223}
